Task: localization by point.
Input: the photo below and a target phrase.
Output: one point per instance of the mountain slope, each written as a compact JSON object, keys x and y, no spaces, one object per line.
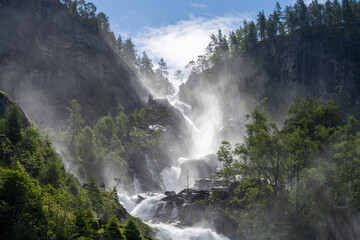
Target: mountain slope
{"x":318,"y":62}
{"x":48,"y":57}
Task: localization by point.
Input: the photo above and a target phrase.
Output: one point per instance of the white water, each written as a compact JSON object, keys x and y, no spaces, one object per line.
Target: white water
{"x":202,"y":145}
{"x":205,"y":127}
{"x":170,"y":178}
{"x":136,"y":184}
{"x":170,"y":232}
{"x":146,"y":211}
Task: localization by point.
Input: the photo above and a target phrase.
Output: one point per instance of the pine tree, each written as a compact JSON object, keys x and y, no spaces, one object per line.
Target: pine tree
{"x":112,"y":230}
{"x":13,"y":124}
{"x":290,"y":19}
{"x":347,"y":12}
{"x":94,"y":194}
{"x":162,"y":68}
{"x":328,"y":13}
{"x":119,"y":44}
{"x":131,"y":231}
{"x":336,"y":12}
{"x":128,"y":52}
{"x":301,"y":14}
{"x":261,"y":23}
{"x":315,"y":10}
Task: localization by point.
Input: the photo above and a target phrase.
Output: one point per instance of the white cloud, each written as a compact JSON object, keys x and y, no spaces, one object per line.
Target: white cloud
{"x":198,"y":5}
{"x":185,"y":40}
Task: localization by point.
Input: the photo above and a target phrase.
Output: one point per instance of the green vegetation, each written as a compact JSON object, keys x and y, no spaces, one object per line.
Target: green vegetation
{"x":330,"y":19}
{"x":298,"y":182}
{"x":94,"y":150}
{"x":131,"y":231}
{"x":39,"y":199}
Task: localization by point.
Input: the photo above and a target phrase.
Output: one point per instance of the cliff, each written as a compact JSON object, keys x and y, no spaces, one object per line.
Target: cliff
{"x":318,"y":62}
{"x":48,"y":57}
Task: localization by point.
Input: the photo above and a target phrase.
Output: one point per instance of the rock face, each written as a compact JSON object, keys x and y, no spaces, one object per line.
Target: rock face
{"x":317,"y":63}
{"x":48,"y":58}
{"x":172,"y":204}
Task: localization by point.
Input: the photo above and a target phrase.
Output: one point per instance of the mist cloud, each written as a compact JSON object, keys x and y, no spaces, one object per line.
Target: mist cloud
{"x":183,"y":41}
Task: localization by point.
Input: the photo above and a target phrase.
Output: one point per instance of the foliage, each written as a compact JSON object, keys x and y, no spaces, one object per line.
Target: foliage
{"x":11,"y":124}
{"x":327,"y":19}
{"x":298,"y":182}
{"x":131,"y":231}
{"x":113,"y":231}
{"x":39,"y":199}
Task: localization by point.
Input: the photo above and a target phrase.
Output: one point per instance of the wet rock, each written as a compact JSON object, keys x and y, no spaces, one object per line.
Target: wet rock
{"x":139,"y":199}
{"x":170,"y":193}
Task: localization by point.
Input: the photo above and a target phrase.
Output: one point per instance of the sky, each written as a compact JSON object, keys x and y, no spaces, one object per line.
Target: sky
{"x":178,"y":30}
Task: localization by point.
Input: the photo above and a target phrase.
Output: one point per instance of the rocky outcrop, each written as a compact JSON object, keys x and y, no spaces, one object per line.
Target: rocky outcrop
{"x":48,"y":58}
{"x":169,"y":206}
{"x":6,"y":103}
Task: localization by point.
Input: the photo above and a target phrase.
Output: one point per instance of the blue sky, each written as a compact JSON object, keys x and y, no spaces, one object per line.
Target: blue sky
{"x":130,"y":17}
{"x":178,"y":30}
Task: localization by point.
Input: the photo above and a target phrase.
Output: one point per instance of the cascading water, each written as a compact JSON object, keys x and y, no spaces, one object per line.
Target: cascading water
{"x":147,"y":211}
{"x":170,"y":232}
{"x":170,"y":178}
{"x":136,"y":184}
{"x":151,"y":208}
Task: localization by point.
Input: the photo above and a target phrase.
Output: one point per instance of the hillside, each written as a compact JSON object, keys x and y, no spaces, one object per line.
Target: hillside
{"x":319,"y":62}
{"x":49,"y":57}
{"x":39,"y":199}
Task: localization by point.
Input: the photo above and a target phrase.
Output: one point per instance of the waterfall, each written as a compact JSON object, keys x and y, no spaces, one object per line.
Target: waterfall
{"x":154,"y":211}
{"x":136,"y":184}
{"x":170,"y":178}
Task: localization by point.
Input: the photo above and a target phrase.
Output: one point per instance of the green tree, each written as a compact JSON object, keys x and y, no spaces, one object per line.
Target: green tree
{"x":271,"y":27}
{"x":347,"y":12}
{"x":75,"y":123}
{"x":290,"y":19}
{"x":12,"y":124}
{"x":250,"y":35}
{"x":328,"y":13}
{"x":131,"y":231}
{"x":301,"y":12}
{"x":87,"y":149}
{"x":337,"y":12}
{"x":112,"y":230}
{"x":104,"y":130}
{"x":261,"y":23}
{"x":230,"y":165}
{"x":128,"y":52}
{"x":94,"y":194}
{"x":162,"y":69}
{"x":315,"y":13}
{"x":119,"y":44}
{"x":82,"y":224}
{"x":262,"y":153}
{"x":21,"y":214}
{"x":121,"y":121}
